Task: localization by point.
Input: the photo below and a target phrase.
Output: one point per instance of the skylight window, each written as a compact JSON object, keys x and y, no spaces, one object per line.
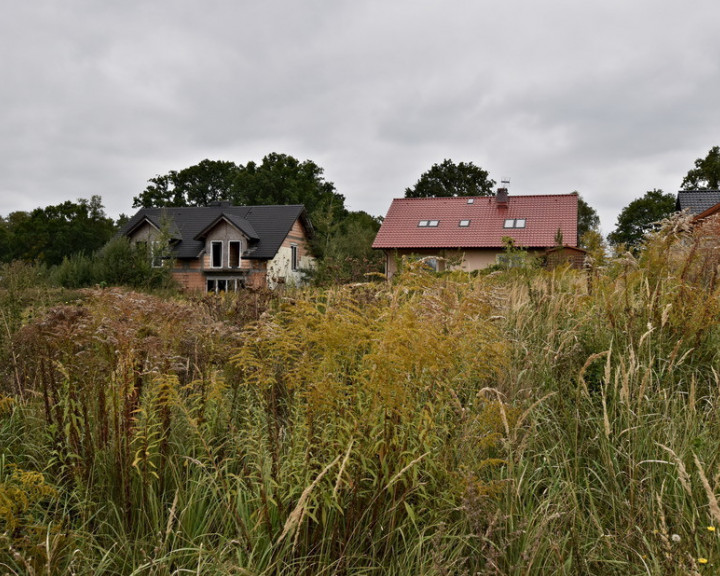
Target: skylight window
{"x":423,"y":223}
{"x":514,"y":223}
{"x":464,"y":223}
{"x":433,"y":223}
{"x":471,"y":200}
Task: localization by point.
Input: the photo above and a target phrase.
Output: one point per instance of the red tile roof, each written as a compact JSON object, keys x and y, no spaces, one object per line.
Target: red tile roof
{"x":543,"y":215}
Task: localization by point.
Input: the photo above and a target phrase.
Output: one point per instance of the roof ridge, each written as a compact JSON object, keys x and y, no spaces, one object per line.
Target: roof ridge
{"x":511,"y":196}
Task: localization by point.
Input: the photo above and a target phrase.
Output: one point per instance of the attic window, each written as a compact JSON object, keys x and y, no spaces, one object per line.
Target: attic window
{"x":423,"y":223}
{"x":464,"y":223}
{"x":234,"y":254}
{"x":514,"y":223}
{"x":471,"y":200}
{"x":433,"y":223}
{"x":216,"y":254}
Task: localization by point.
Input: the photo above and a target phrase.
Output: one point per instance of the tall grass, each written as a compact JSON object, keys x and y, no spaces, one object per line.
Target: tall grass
{"x":525,"y":422}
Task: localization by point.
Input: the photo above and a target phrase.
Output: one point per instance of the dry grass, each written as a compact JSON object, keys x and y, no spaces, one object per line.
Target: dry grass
{"x":527,"y":422}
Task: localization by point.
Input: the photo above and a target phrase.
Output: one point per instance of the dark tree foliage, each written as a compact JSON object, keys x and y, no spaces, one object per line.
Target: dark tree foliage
{"x":48,"y":235}
{"x":639,"y":216}
{"x":348,"y":253}
{"x":588,"y":218}
{"x":450,"y":179}
{"x":278,"y":179}
{"x":199,"y":185}
{"x":706,"y":174}
{"x":282,"y":179}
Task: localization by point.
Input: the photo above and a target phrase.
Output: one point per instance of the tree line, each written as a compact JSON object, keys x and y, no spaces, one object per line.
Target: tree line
{"x":56,"y":235}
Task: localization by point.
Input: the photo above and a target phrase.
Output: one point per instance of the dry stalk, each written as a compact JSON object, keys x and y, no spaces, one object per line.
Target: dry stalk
{"x":712,"y":500}
{"x":342,"y":469}
{"x":683,"y":475}
{"x":588,"y":362}
{"x":297,"y":515}
{"x":399,"y":474}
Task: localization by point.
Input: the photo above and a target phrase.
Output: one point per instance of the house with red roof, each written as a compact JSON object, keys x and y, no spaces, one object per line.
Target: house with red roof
{"x":469,"y":232}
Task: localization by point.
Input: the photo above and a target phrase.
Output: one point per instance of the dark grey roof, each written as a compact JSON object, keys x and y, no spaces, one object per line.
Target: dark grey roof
{"x":697,"y":201}
{"x":265,"y":226}
{"x":240,"y":223}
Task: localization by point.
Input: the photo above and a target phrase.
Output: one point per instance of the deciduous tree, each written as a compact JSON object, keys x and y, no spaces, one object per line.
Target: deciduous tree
{"x":706,"y":174}
{"x":639,"y":216}
{"x":199,"y":185}
{"x":450,"y":179}
{"x":588,"y":218}
{"x":48,"y":235}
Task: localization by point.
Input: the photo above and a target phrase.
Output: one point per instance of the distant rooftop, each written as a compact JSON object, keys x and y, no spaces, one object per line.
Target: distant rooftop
{"x":697,"y":201}
{"x":479,"y":222}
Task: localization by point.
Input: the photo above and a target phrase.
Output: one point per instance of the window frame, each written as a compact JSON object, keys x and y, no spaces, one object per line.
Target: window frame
{"x":230,"y":283}
{"x":216,"y":263}
{"x":234,"y":260}
{"x":294,"y":258}
{"x":156,"y":255}
{"x":515,"y":223}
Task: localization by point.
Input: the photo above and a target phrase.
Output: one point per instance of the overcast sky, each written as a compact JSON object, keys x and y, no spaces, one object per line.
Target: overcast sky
{"x":608,"y":97}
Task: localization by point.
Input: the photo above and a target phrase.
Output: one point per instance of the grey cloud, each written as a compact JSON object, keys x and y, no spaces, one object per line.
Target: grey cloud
{"x":607,"y":97}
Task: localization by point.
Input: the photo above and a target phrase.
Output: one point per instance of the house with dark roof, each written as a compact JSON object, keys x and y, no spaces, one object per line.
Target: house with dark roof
{"x":470,"y":233}
{"x":697,"y":201}
{"x":222,"y":247}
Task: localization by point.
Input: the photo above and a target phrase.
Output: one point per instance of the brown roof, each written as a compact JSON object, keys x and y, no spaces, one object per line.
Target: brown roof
{"x":543,"y":215}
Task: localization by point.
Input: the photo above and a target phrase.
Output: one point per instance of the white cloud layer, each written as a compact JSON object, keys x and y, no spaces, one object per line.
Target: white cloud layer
{"x":610,"y":98}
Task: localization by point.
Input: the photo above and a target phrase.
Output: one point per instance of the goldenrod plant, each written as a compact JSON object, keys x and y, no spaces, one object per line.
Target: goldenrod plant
{"x":519,"y":421}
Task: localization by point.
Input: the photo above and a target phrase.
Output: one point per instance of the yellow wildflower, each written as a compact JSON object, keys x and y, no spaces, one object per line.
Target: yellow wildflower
{"x":711,"y":528}
{"x":702,"y":560}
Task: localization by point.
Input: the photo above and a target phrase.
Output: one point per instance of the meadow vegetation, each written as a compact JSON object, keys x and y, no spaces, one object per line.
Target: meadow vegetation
{"x":519,"y":422}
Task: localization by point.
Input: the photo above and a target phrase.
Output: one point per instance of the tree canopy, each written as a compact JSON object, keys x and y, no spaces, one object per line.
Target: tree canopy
{"x":588,"y":218}
{"x":199,"y":185}
{"x":48,"y":235}
{"x":638,"y":217}
{"x":706,"y":174}
{"x":450,"y":179}
{"x":278,"y":179}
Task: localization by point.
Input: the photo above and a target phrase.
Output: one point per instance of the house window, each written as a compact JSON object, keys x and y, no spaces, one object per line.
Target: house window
{"x":464,"y":223}
{"x":216,"y":251}
{"x":433,"y":223}
{"x":509,"y":224}
{"x":234,"y":254}
{"x":423,"y":223}
{"x":516,"y":260}
{"x":156,"y":255}
{"x":520,"y":223}
{"x":514,"y":223}
{"x":218,"y":285}
{"x":294,"y":261}
{"x":471,"y":200}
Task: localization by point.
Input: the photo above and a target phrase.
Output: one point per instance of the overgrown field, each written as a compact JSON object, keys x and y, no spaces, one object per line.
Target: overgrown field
{"x":522,"y":422}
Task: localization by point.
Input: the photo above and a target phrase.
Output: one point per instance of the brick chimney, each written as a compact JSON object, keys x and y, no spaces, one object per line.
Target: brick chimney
{"x":502,"y":197}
